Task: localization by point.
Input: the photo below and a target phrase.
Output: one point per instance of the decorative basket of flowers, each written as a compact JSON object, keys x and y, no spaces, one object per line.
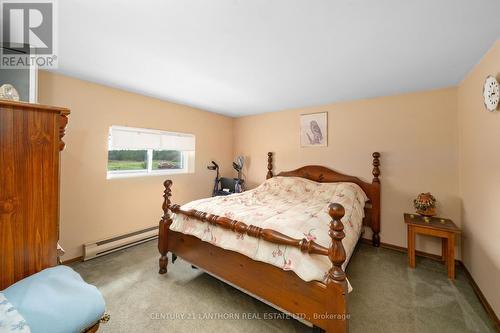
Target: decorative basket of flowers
{"x":425,"y":204}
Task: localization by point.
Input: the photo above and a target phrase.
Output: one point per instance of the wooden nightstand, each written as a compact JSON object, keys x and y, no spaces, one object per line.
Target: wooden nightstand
{"x":433,"y":226}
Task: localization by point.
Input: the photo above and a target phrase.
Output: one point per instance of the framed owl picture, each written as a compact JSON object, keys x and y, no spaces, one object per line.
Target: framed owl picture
{"x":314,"y":130}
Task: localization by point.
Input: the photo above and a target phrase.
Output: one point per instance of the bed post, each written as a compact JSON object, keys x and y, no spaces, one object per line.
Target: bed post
{"x":165,"y":223}
{"x":269,"y":165}
{"x":376,"y":200}
{"x":336,"y":282}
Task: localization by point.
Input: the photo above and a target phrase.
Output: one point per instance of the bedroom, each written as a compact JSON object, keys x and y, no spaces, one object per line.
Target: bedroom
{"x":214,"y":81}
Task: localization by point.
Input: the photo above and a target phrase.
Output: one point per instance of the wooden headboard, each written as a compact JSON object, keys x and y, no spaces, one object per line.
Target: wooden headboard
{"x":322,"y":174}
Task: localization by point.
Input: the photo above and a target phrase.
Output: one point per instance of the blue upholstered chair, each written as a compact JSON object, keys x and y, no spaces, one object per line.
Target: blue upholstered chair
{"x":55,"y":300}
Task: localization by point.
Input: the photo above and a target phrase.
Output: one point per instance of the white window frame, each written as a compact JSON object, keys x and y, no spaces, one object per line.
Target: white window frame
{"x":186,"y":157}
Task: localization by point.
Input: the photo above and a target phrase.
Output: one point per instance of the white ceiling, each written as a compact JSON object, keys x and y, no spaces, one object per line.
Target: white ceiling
{"x":239,"y":57}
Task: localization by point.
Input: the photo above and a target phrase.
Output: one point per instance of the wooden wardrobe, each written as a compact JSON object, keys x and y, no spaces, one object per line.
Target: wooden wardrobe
{"x":30,"y":143}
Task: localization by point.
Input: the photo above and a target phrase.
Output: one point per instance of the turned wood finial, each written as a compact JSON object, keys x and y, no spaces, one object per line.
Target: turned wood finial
{"x":376,"y":170}
{"x":62,"y":131}
{"x":336,"y":252}
{"x":269,"y":165}
{"x":166,"y":200}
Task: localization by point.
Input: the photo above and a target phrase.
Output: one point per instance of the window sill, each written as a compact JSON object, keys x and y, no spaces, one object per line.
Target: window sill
{"x":118,"y":175}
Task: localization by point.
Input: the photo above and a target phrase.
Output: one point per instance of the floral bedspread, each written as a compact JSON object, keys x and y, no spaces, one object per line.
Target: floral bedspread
{"x":296,"y":207}
{"x":10,"y":319}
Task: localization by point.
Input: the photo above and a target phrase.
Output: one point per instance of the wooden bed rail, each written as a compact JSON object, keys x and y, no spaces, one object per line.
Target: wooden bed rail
{"x":272,"y":236}
{"x":336,"y":252}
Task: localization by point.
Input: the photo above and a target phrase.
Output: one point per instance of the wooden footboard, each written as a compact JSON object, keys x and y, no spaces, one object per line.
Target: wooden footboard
{"x":321,"y":304}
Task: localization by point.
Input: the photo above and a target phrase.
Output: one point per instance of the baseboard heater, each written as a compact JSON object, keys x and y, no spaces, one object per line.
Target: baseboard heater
{"x":106,"y":246}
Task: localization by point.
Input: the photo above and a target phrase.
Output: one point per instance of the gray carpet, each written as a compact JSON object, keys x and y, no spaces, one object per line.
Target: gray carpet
{"x":387,"y":297}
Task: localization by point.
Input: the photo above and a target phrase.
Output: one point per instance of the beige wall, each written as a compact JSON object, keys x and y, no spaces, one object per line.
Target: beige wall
{"x":93,"y":207}
{"x":479,"y":174}
{"x":415,"y":133}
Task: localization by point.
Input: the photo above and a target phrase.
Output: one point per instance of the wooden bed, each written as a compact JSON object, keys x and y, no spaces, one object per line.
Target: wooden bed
{"x":322,"y":304}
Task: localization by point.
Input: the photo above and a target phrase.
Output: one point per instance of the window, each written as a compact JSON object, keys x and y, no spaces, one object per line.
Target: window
{"x":139,"y":152}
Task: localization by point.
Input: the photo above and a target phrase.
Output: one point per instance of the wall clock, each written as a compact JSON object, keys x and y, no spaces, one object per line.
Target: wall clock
{"x":491,"y":93}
